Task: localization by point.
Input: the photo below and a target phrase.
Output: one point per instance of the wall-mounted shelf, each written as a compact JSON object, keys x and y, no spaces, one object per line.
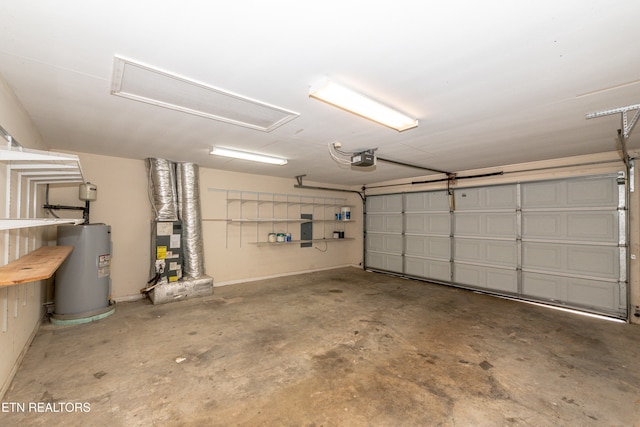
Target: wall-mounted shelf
{"x":11,"y":224}
{"x":31,"y":168}
{"x":290,"y":201}
{"x":43,"y":166}
{"x":297,"y":242}
{"x":37,"y":265}
{"x":274,"y":213}
{"x":276,"y":220}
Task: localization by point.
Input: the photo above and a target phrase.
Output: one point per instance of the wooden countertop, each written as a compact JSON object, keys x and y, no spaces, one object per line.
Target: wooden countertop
{"x":37,"y":265}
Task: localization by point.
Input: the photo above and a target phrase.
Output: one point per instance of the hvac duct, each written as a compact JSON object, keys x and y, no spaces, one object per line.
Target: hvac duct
{"x":174,"y":193}
{"x":162,"y":189}
{"x":189,"y":214}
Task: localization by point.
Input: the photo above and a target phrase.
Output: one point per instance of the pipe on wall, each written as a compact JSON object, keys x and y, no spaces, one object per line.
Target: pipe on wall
{"x":189,"y":213}
{"x":162,"y":189}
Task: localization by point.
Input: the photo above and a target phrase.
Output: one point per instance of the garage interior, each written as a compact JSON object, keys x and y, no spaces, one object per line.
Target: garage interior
{"x":473,"y":264}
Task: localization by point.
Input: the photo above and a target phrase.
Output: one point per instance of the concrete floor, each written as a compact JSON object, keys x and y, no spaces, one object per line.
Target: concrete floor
{"x":336,"y":348}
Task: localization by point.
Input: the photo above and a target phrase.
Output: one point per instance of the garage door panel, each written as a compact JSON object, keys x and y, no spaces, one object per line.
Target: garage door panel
{"x":386,"y":203}
{"x":375,"y":223}
{"x":430,"y":201}
{"x":428,"y":268}
{"x":544,"y":286}
{"x":469,"y":275}
{"x":502,"y":280}
{"x":542,"y":256}
{"x":580,"y":192}
{"x":591,"y":293}
{"x":486,"y":277}
{"x":433,"y":247}
{"x":432,"y":223}
{"x":596,"y":227}
{"x":542,"y":225}
{"x":580,"y":260}
{"x":593,"y":260}
{"x":385,"y":243}
{"x":502,"y":224}
{"x":503,"y":253}
{"x":483,"y":198}
{"x":385,"y":223}
{"x":599,"y":295}
{"x":592,"y":192}
{"x":573,"y":226}
{"x":386,"y":262}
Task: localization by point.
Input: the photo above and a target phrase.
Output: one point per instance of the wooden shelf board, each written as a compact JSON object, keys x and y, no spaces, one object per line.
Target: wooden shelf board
{"x":37,"y":265}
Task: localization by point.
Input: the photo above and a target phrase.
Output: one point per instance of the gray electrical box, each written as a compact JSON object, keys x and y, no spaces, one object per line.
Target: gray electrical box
{"x":306,"y":230}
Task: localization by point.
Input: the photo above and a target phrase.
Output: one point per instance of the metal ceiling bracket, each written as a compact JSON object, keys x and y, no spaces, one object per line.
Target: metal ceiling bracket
{"x":623,"y":135}
{"x":313,"y":187}
{"x":627,"y":126}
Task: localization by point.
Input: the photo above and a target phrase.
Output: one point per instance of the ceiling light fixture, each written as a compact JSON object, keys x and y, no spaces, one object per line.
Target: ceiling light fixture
{"x":341,"y":97}
{"x":245,"y":155}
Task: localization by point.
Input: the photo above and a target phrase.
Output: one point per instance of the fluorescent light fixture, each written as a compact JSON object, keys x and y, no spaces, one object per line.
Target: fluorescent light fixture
{"x":245,"y":155}
{"x":341,"y":97}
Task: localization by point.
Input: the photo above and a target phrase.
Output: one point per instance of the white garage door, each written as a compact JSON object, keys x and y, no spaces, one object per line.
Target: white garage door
{"x":560,"y":241}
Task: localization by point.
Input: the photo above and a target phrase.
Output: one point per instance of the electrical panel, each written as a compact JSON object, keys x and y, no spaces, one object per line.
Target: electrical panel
{"x":306,"y":230}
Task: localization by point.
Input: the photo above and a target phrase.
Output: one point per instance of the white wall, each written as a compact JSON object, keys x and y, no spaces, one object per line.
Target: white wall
{"x":230,"y":253}
{"x":21,"y":305}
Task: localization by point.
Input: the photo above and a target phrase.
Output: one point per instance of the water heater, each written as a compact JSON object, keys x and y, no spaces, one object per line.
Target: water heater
{"x":83,"y":281}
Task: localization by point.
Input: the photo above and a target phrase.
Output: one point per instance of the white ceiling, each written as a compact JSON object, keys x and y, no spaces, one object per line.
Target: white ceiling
{"x":492,"y":82}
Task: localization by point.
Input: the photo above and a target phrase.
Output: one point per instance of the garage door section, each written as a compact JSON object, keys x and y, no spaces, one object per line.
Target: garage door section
{"x":384,"y":240}
{"x":427,"y":230}
{"x":573,"y":243}
{"x":485,"y":238}
{"x":560,"y":241}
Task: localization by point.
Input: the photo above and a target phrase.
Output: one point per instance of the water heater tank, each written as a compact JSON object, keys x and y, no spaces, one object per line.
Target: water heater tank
{"x":83,"y":282}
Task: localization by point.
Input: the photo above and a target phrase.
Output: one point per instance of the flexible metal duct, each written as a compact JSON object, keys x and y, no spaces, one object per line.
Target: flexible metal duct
{"x":182,"y":289}
{"x":189,"y":214}
{"x":162,"y":189}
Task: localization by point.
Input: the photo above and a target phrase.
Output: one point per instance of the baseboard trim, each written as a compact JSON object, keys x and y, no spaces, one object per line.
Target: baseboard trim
{"x":275,"y":276}
{"x":132,"y":298}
